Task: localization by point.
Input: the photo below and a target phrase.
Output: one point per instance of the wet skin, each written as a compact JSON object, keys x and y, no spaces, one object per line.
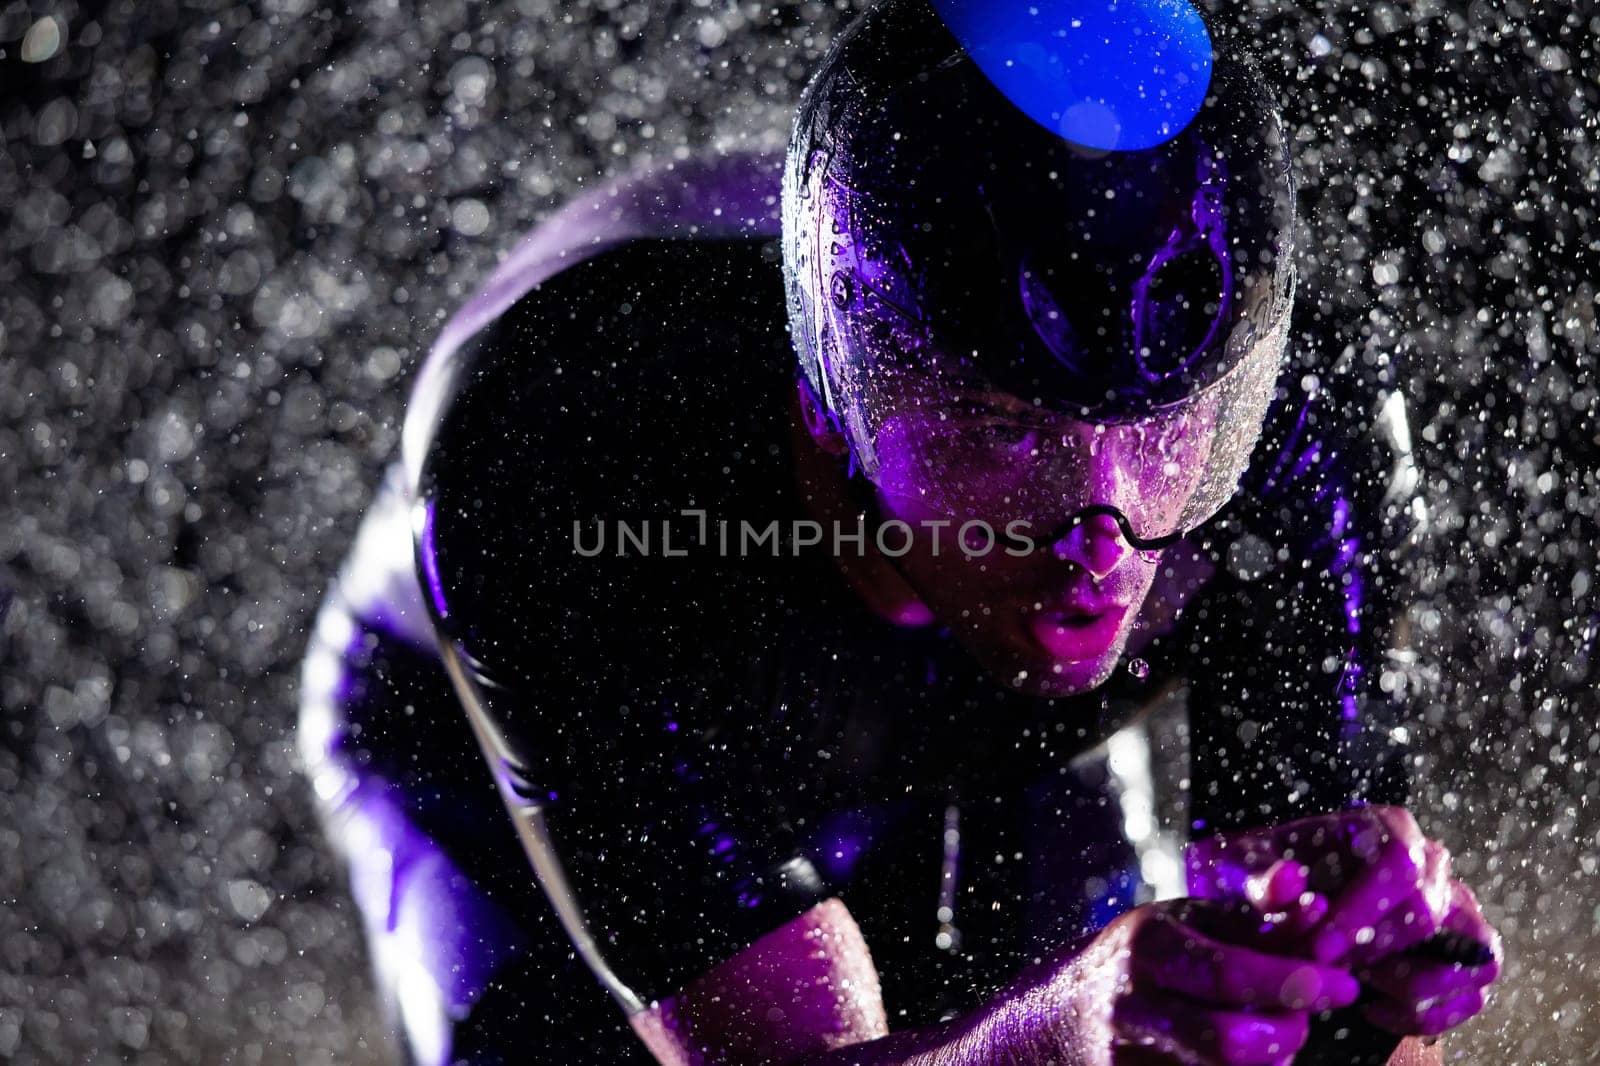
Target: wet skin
{"x":1340,"y":897}
{"x":1050,"y":617}
{"x":1225,"y":979}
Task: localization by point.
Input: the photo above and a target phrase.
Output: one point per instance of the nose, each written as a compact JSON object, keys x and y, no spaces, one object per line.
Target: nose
{"x":1096,"y":544}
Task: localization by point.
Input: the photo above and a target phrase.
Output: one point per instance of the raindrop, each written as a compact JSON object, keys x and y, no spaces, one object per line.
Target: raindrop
{"x":42,"y":41}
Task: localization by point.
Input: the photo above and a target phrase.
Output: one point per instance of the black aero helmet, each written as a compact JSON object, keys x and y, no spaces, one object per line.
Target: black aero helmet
{"x":974,"y":276}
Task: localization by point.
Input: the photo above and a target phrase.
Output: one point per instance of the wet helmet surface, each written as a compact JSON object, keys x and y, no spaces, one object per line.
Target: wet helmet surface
{"x":962,"y":274}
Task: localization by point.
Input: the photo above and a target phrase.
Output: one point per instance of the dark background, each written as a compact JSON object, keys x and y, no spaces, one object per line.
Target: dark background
{"x":230,"y":230}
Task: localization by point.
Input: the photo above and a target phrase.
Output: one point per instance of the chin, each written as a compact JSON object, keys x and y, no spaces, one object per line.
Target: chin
{"x":1067,"y":679}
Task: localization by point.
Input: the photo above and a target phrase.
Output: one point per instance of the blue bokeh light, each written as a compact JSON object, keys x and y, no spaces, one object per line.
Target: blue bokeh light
{"x":1111,"y":75}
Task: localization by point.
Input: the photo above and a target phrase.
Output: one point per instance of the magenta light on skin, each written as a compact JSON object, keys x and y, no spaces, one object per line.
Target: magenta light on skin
{"x":1111,"y":75}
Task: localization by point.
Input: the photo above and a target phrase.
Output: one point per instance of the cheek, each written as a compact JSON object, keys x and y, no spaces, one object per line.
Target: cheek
{"x":1142,"y":569}
{"x":981,"y":588}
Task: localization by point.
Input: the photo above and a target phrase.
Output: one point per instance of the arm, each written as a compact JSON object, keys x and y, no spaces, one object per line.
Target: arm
{"x":465,"y":954}
{"x":1170,"y":978}
{"x":805,"y":988}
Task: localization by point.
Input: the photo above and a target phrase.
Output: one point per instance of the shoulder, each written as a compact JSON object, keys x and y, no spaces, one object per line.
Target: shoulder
{"x":651,"y":358}
{"x":374,"y":605}
{"x":1335,"y":463}
{"x":609,"y":369}
{"x":714,"y":196}
{"x":648,"y":380}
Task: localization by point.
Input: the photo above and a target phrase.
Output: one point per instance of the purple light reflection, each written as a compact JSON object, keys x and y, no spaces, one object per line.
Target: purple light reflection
{"x":428,"y":554}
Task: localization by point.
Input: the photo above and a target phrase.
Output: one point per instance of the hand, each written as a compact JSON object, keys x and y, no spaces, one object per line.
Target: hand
{"x":1359,"y":888}
{"x":1176,"y":982}
{"x":1181,"y":982}
{"x":1422,"y":996}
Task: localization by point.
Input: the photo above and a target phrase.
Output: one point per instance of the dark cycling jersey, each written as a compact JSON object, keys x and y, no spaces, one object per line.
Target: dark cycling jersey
{"x":721,"y":735}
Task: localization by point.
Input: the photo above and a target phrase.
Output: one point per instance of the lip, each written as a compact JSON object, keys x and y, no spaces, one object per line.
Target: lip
{"x":1076,"y":635}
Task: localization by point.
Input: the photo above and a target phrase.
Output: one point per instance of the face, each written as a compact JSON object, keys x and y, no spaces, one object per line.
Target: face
{"x":1053,"y":620}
